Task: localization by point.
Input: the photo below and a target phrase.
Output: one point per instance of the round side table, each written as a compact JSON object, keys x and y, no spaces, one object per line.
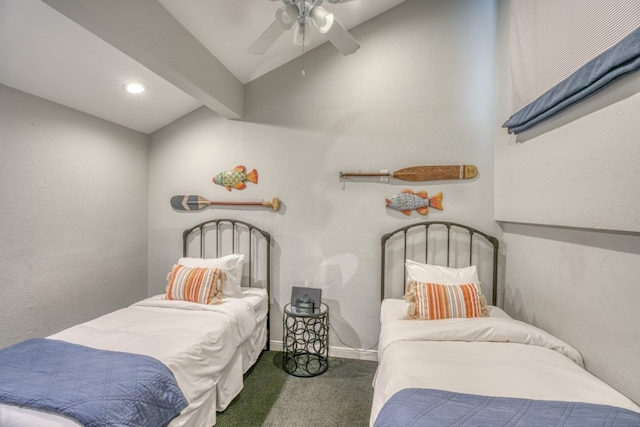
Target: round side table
{"x":306,"y":341}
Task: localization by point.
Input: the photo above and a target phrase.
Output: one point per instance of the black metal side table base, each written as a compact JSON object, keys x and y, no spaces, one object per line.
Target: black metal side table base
{"x":306,"y":341}
{"x":305,"y":364}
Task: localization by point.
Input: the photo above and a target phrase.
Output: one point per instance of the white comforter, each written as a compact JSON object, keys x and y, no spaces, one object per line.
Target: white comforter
{"x":495,"y":356}
{"x":195,"y":341}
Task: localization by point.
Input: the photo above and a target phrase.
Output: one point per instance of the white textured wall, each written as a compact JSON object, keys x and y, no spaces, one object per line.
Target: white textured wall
{"x":420,"y":91}
{"x":73,"y":215}
{"x":559,"y":193}
{"x":580,"y":173}
{"x":581,"y":286}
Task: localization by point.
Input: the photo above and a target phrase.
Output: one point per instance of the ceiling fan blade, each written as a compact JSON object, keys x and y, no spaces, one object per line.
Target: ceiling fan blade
{"x":285,"y":18}
{"x":341,"y":39}
{"x":326,"y":23}
{"x":267,"y":38}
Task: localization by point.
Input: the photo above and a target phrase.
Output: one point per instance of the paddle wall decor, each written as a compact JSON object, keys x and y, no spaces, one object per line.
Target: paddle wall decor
{"x":196,"y":203}
{"x":422,"y":173}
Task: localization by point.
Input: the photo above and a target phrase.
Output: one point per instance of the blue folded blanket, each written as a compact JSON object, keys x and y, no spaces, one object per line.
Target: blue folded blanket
{"x":417,"y":407}
{"x":96,"y":387}
{"x":616,"y":62}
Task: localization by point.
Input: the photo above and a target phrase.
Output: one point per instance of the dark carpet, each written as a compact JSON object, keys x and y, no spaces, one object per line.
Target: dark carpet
{"x":341,"y":397}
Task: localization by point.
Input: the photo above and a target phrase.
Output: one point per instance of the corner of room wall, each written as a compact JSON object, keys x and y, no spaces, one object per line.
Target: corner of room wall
{"x":73,"y":209}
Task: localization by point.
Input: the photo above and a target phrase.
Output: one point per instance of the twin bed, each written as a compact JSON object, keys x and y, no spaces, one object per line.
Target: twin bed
{"x":207,"y":345}
{"x":479,"y":371}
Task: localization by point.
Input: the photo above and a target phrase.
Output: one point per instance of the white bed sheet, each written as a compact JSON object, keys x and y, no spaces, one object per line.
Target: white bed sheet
{"x":208,"y":348}
{"x":495,"y":356}
{"x":247,"y":354}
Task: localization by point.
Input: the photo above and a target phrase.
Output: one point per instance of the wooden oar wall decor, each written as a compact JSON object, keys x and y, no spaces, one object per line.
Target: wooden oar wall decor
{"x":196,"y":203}
{"x":423,"y":173}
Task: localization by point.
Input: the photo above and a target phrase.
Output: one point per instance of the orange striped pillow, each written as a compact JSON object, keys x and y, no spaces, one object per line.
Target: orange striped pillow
{"x":432,"y":301}
{"x":201,"y":285}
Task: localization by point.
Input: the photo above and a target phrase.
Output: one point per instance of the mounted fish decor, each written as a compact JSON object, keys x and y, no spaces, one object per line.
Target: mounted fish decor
{"x":408,"y":201}
{"x":235,"y":178}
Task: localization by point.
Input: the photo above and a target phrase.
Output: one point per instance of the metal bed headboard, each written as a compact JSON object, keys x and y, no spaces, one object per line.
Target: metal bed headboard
{"x":241,"y":232}
{"x":471,"y":232}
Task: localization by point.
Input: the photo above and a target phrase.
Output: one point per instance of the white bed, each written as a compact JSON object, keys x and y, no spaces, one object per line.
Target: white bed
{"x":488,"y":356}
{"x":495,"y":356}
{"x":208,"y":348}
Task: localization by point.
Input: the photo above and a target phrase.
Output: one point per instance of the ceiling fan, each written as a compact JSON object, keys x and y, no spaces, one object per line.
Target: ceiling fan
{"x":299,"y":13}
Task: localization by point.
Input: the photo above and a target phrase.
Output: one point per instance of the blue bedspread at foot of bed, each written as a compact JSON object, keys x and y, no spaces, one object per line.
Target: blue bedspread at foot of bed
{"x":415,"y":407}
{"x":96,"y":387}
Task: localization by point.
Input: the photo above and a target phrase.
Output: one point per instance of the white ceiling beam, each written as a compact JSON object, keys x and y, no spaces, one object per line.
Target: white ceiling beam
{"x":145,"y":31}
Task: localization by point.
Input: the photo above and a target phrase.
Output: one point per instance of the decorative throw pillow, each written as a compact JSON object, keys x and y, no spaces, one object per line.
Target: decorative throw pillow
{"x":201,"y":285}
{"x":432,"y":301}
{"x":232,"y":266}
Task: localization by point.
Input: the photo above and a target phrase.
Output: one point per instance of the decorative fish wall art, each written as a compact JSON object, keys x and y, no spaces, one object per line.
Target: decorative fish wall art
{"x":407,"y":201}
{"x":236,"y":178}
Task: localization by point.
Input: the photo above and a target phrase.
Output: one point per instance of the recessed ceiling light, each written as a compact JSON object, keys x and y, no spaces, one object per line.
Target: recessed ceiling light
{"x":134,"y":87}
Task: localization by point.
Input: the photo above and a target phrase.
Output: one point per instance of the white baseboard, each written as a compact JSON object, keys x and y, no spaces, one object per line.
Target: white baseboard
{"x":347,"y":353}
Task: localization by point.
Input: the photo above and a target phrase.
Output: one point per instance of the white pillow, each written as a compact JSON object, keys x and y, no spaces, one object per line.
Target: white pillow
{"x":427,"y":273}
{"x":232,"y":266}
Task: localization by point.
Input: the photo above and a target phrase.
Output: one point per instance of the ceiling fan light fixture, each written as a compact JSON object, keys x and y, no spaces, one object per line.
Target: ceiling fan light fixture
{"x":301,"y":34}
{"x":322,"y":19}
{"x":300,"y":12}
{"x":287,"y":15}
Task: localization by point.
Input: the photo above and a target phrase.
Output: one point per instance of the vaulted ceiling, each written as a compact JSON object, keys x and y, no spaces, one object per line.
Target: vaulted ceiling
{"x":189,"y":53}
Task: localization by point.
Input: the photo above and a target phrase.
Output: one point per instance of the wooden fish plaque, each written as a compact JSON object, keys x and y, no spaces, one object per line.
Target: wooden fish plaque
{"x":236,"y":178}
{"x":408,"y":201}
